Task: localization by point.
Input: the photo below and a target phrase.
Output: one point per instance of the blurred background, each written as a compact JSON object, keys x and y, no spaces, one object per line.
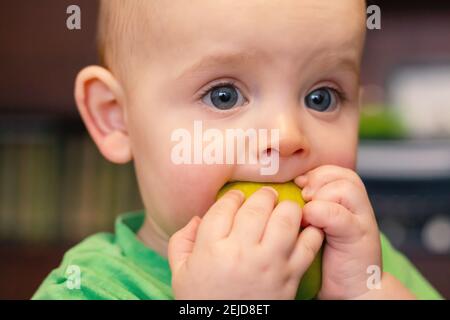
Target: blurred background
{"x":56,"y":189}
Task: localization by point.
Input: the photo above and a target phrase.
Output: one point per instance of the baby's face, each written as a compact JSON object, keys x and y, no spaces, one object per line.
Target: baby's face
{"x":288,"y":65}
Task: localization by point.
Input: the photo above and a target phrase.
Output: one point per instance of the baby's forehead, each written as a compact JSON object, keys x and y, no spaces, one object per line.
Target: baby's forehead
{"x":128,"y":28}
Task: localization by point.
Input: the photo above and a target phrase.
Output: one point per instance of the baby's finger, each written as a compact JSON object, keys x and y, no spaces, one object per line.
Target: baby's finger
{"x":182,"y":243}
{"x":251,"y":219}
{"x":333,"y":218}
{"x":345,"y":193}
{"x":307,"y":247}
{"x":282,"y":229}
{"x":218,"y":220}
{"x":316,"y":178}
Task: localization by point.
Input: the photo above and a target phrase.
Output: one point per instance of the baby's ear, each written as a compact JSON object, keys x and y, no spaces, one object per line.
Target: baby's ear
{"x":100,"y":100}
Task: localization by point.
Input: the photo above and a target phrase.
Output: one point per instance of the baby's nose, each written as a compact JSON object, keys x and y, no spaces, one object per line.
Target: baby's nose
{"x":291,"y":141}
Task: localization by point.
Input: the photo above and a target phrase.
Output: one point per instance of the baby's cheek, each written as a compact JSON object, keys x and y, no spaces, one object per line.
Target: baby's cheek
{"x":346,"y":159}
{"x":192,"y":190}
{"x":340,"y":152}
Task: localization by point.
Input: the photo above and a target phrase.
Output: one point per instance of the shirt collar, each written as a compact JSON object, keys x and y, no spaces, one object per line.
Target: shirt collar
{"x":126,"y":227}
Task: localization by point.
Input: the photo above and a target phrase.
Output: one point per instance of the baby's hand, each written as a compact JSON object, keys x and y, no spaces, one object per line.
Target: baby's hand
{"x":243,"y":250}
{"x":339,"y":205}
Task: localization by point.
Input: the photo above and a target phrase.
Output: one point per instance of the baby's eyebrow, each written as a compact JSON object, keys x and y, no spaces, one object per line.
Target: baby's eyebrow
{"x":222,"y":58}
{"x":341,"y":61}
{"x":239,"y":58}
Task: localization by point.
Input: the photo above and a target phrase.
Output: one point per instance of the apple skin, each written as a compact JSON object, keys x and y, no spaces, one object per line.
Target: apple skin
{"x":312,"y":279}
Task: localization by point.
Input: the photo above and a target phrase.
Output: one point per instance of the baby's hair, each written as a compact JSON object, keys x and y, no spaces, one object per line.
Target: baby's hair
{"x":122,"y":25}
{"x":118,"y":25}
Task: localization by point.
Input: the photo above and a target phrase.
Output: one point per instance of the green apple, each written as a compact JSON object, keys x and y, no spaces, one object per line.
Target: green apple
{"x":312,"y":279}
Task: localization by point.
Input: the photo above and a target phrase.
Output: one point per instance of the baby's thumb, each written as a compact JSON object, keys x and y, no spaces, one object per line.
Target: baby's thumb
{"x":182,"y":243}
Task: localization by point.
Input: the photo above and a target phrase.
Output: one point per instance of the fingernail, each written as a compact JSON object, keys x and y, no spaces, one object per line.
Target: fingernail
{"x":194,"y":220}
{"x":271,"y":189}
{"x":238,"y":192}
{"x":301,"y":179}
{"x":306,"y":192}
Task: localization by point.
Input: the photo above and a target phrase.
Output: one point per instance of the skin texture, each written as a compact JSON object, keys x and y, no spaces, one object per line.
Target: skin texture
{"x":132,"y":118}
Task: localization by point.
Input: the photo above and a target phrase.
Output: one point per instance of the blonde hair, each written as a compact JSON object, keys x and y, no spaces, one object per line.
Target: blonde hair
{"x":119,"y":24}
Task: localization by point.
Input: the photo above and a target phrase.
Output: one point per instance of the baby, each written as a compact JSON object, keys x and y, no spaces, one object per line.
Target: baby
{"x":291,"y":66}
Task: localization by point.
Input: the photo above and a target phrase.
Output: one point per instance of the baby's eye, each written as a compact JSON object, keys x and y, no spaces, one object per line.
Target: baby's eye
{"x":322,"y":99}
{"x":223,"y":97}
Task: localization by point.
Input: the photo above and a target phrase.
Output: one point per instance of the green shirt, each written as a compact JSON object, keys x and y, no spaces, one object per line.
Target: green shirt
{"x":119,"y":266}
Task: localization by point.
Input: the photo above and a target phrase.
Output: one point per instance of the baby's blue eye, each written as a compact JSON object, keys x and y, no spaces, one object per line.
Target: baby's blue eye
{"x":321,"y":99}
{"x":223,"y":97}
